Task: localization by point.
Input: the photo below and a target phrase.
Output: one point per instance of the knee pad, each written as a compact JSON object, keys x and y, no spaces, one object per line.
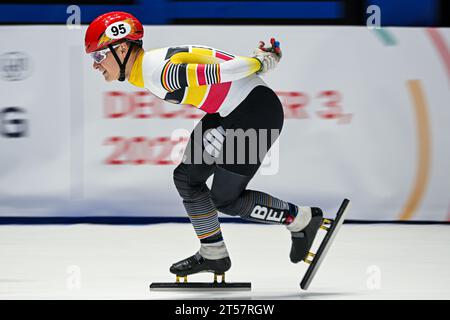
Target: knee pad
{"x":227,"y":187}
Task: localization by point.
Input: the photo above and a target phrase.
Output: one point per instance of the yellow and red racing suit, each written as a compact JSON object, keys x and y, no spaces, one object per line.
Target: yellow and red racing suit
{"x":206,"y":78}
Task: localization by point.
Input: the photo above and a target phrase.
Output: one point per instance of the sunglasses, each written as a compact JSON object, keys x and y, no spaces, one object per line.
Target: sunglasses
{"x":100,"y":55}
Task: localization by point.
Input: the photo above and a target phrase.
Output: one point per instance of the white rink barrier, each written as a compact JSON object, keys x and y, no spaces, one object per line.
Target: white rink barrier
{"x":367,"y":118}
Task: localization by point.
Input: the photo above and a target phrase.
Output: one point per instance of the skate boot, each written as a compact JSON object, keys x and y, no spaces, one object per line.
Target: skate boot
{"x":197,"y":263}
{"x":302,"y":239}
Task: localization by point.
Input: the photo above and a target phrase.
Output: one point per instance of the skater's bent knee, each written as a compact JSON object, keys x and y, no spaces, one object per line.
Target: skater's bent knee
{"x":229,"y":209}
{"x":180,"y":174}
{"x":188,"y":190}
{"x":225,"y":204}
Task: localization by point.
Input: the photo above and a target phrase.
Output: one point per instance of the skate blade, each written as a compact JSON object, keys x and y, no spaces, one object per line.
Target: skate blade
{"x":332,"y":229}
{"x":200,"y":286}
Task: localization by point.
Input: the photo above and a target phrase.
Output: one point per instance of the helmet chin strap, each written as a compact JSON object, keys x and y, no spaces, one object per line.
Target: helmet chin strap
{"x":121,"y":65}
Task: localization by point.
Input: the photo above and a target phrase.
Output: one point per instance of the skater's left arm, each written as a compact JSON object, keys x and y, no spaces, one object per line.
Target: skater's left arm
{"x":192,"y":74}
{"x":189,"y":69}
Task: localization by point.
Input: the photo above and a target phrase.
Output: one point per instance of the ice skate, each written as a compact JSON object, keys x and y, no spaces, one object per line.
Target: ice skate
{"x":198,"y":264}
{"x":302,"y":240}
{"x":301,"y":245}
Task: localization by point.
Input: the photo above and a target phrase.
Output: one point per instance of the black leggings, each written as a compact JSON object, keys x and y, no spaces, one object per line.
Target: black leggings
{"x":260,"y":115}
{"x":215,"y":149}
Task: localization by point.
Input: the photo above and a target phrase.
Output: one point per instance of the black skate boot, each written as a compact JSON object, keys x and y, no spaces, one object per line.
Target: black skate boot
{"x":303,"y":240}
{"x":197,"y":263}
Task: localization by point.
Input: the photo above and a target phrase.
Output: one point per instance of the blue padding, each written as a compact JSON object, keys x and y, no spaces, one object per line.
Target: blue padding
{"x":150,"y":12}
{"x":102,"y":220}
{"x":275,"y":10}
{"x":407,"y":13}
{"x":162,"y":11}
{"x":154,"y":220}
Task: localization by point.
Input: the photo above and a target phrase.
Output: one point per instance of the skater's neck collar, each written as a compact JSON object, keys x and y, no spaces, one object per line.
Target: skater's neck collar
{"x":136,"y":77}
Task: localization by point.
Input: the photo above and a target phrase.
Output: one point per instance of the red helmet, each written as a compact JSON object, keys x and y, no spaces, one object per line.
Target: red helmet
{"x":110,"y":28}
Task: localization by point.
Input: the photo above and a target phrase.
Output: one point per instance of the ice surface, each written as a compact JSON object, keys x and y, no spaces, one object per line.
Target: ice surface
{"x":119,"y":262}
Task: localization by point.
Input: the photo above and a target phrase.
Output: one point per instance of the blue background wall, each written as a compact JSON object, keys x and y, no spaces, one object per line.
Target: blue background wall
{"x":393,"y":12}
